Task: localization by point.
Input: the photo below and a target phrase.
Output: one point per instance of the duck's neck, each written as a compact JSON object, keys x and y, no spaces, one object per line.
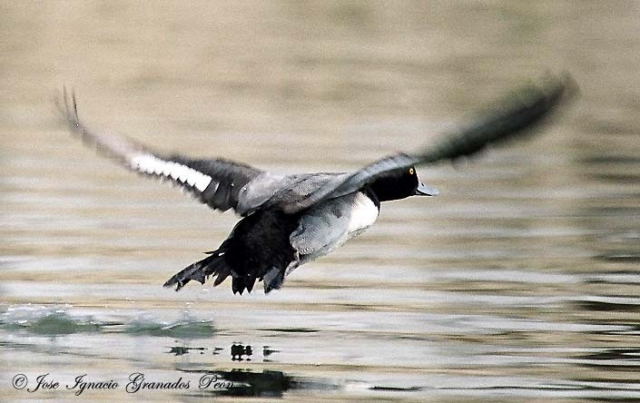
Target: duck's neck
{"x":372,"y":195}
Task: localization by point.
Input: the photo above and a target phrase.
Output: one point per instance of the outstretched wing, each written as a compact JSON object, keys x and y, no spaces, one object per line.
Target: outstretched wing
{"x":218,"y":183}
{"x":514,"y":116}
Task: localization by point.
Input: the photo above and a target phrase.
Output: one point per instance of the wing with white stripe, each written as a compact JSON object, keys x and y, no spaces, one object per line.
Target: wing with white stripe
{"x":216,"y":182}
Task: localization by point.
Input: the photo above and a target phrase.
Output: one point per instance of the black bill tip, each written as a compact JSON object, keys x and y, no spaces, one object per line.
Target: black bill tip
{"x":424,"y":190}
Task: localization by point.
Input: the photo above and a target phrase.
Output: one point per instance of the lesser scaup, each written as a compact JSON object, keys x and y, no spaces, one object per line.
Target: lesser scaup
{"x":288,"y":220}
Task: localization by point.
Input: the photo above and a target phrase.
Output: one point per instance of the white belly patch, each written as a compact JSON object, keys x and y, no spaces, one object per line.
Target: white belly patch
{"x":331,"y":224}
{"x":363,"y":214}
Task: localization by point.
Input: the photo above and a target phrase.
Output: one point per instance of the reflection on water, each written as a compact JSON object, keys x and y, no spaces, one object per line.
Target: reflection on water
{"x":519,"y":281}
{"x":249,"y":383}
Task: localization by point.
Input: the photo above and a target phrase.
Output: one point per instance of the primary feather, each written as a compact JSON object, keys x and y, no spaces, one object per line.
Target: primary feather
{"x":513,"y":116}
{"x":218,"y":182}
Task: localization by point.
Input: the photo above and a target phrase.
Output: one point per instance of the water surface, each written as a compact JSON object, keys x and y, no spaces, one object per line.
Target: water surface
{"x":518,"y":282}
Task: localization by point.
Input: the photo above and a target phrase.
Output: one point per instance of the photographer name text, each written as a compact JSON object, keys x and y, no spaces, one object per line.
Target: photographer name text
{"x":136,"y":382}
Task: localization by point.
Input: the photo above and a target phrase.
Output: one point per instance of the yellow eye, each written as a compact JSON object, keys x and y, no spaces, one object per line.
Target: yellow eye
{"x":411,"y":171}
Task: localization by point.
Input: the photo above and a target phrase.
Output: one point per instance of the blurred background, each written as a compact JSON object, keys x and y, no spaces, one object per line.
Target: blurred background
{"x":518,"y":282}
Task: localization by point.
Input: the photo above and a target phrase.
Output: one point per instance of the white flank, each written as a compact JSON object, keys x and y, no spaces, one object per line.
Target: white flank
{"x":363,"y":214}
{"x":155,"y":166}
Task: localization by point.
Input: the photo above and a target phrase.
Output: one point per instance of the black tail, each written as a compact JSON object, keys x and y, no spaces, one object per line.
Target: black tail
{"x":199,"y":271}
{"x":214,"y":265}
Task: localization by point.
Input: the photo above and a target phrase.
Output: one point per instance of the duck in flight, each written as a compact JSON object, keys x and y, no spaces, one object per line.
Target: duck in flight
{"x":289,"y":220}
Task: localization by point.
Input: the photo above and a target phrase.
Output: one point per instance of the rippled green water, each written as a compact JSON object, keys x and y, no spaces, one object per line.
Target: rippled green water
{"x":520,"y":281}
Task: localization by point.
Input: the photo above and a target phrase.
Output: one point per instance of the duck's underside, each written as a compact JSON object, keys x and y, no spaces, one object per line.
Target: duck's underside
{"x":268,"y":244}
{"x":258,"y":249}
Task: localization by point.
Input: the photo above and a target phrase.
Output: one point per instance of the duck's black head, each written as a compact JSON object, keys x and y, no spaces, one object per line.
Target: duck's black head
{"x":399,"y":184}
